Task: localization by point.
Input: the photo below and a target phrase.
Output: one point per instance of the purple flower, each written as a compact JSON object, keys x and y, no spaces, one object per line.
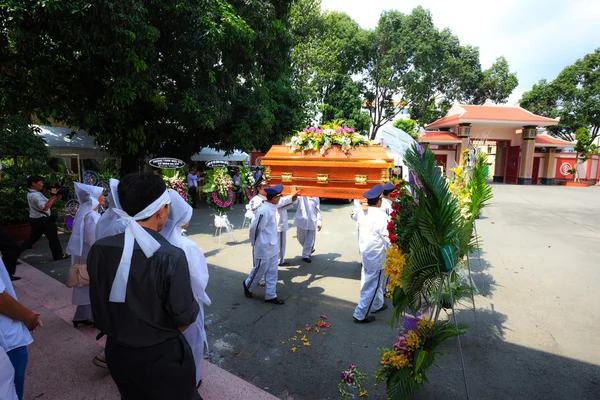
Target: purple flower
{"x":411,"y":324}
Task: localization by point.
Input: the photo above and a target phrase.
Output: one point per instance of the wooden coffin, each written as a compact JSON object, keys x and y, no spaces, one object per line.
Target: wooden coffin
{"x":332,"y":175}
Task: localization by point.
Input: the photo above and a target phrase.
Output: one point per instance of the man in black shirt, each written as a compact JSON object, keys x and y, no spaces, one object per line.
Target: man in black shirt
{"x":142,"y":298}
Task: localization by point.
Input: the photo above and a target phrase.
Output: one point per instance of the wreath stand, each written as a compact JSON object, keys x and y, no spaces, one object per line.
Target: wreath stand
{"x":221,"y":221}
{"x":449,"y":260}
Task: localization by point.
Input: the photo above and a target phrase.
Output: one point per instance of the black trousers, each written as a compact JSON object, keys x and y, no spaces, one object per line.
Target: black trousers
{"x":43,"y":226}
{"x":10,"y":251}
{"x":193,"y":192}
{"x":164,"y":371}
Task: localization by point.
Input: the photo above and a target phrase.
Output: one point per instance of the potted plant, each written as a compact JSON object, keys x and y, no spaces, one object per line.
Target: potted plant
{"x":22,"y":153}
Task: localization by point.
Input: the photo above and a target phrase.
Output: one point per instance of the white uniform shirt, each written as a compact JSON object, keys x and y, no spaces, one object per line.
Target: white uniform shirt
{"x":257,"y":201}
{"x":37,"y":201}
{"x":13,"y":333}
{"x":263,"y":232}
{"x":282,"y":215}
{"x":373,"y":236}
{"x":386,"y":206}
{"x":308,"y":214}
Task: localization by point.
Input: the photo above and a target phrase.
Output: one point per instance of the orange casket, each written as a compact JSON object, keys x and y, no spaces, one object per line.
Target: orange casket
{"x":332,"y":175}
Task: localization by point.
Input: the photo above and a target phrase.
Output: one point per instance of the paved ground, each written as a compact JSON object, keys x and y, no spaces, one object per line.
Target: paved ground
{"x":537,"y":319}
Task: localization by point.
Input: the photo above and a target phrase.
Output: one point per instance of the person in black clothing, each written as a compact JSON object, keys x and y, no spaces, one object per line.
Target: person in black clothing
{"x":10,"y":253}
{"x":40,"y":218}
{"x":142,"y":298}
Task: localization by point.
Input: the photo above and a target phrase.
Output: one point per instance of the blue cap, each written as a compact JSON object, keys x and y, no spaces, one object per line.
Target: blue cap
{"x":374,"y":192}
{"x":274,"y":190}
{"x":388,"y":187}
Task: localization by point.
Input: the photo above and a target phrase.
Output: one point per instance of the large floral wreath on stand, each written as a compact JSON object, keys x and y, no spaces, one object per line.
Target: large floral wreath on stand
{"x":247,"y":183}
{"x":219,"y":187}
{"x":176,"y":182}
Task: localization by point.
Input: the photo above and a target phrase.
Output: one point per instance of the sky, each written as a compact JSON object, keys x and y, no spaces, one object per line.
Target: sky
{"x":538,"y":38}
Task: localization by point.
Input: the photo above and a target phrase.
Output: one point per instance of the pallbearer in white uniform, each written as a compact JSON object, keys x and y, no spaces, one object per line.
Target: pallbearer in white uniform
{"x":373,"y":241}
{"x":386,"y":202}
{"x":257,"y":200}
{"x":265,"y":246}
{"x":282,"y":222}
{"x":308,"y":221}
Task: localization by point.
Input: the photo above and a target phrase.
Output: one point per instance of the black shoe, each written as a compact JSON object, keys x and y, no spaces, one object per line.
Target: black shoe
{"x":284,"y":264}
{"x":307,"y":259}
{"x":383,"y":307}
{"x":276,"y":300}
{"x":86,"y":322}
{"x":246,"y":291}
{"x":367,"y":319}
{"x":14,"y":278}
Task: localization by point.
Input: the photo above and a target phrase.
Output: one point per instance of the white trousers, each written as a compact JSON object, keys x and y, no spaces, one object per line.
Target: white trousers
{"x":267,"y":267}
{"x":282,"y":242}
{"x":307,"y":241}
{"x":196,"y":337}
{"x":371,"y":293}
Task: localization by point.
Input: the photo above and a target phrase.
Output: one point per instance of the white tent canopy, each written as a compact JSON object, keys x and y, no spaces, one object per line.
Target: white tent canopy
{"x":59,"y":137}
{"x":208,"y":154}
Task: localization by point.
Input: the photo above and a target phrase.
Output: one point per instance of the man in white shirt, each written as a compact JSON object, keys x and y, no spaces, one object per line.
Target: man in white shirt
{"x":373,"y":242}
{"x":40,"y":218}
{"x":192,"y":182}
{"x":308,"y":221}
{"x":282,"y":222}
{"x":261,"y":196}
{"x":265,"y":247}
{"x":16,"y":322}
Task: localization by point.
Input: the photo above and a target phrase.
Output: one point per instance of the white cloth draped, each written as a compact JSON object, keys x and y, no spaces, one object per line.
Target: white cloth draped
{"x":135,"y":233}
{"x":110,"y":224}
{"x":180,"y":215}
{"x":87,"y":195}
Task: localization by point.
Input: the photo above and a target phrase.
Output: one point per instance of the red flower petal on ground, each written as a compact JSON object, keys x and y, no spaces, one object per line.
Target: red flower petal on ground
{"x":323,"y":316}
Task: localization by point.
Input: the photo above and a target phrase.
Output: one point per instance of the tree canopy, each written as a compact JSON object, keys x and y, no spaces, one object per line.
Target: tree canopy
{"x":574,"y":97}
{"x":148,"y":77}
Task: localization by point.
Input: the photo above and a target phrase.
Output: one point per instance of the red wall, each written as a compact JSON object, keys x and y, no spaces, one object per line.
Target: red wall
{"x":561,"y":166}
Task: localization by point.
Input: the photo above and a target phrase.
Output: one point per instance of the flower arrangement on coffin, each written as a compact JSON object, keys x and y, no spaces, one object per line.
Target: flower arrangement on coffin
{"x":405,"y":365}
{"x":176,"y":182}
{"x":323,"y":138}
{"x":219,"y":187}
{"x":247,"y":182}
{"x":350,"y":383}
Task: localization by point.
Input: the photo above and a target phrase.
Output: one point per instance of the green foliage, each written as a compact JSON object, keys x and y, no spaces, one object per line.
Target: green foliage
{"x":152,"y":77}
{"x":407,"y":125}
{"x":574,"y":97}
{"x":426,"y":69}
{"x":479,"y":189}
{"x":22,"y":153}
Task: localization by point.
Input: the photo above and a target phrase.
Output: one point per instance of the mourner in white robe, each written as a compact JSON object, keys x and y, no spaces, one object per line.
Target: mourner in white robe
{"x":179,"y":216}
{"x":82,"y":238}
{"x":308,"y":221}
{"x":373,"y":243}
{"x":109,"y":223}
{"x":265,"y":247}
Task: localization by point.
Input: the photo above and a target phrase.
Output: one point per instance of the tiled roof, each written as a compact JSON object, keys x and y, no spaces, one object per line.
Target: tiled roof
{"x":486,"y":113}
{"x":549,"y":141}
{"x":439,"y":137}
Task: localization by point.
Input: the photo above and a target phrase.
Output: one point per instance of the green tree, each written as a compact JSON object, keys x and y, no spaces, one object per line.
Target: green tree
{"x":574,"y":97}
{"x":412,"y":63}
{"x":407,"y":125}
{"x":148,"y":77}
{"x":327,"y":49}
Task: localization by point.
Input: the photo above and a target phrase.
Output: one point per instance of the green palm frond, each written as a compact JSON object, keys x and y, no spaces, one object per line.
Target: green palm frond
{"x":401,"y":384}
{"x":480,"y":190}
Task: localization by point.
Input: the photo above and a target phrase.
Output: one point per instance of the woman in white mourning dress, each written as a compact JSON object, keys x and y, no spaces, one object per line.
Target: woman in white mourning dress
{"x":82,"y":238}
{"x":179,"y":218}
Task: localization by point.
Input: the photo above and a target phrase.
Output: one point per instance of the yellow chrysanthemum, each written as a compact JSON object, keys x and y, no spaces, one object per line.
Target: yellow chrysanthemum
{"x":394,"y":265}
{"x":413,"y":340}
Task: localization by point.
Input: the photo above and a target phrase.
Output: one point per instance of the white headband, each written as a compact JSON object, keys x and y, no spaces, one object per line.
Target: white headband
{"x":135,"y":233}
